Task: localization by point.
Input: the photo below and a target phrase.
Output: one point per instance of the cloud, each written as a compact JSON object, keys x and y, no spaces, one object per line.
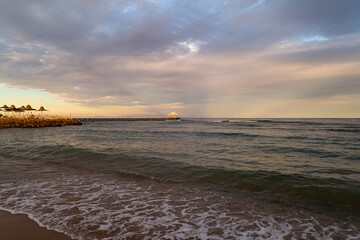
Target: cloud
{"x":319,"y":52}
{"x":154,"y":53}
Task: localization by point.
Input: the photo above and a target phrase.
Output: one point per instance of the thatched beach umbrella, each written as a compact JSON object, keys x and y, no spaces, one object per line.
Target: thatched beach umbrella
{"x":29,"y":108}
{"x":11,"y":109}
{"x":42,"y":109}
{"x":22,"y":108}
{"x":4,"y":107}
{"x":173,"y":115}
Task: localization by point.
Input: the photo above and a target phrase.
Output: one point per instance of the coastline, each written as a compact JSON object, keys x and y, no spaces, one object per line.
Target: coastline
{"x":21,"y":227}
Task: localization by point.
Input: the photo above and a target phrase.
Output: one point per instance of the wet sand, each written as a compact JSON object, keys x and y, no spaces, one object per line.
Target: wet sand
{"x":20,"y":227}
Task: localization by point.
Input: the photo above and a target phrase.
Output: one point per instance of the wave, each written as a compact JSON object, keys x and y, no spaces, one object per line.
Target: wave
{"x":303,"y":123}
{"x":94,"y":206}
{"x":297,"y":122}
{"x":347,"y":130}
{"x":332,"y":191}
{"x":337,"y":192}
{"x":225,"y":134}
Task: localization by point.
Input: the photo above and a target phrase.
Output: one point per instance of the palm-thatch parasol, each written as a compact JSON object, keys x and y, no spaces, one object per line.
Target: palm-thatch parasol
{"x":12,"y":108}
{"x":5,"y":107}
{"x":42,"y":109}
{"x":173,"y":115}
{"x":22,"y":108}
{"x":29,"y":108}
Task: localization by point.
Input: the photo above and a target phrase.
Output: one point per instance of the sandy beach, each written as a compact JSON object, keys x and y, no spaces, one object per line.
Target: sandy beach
{"x":20,"y":227}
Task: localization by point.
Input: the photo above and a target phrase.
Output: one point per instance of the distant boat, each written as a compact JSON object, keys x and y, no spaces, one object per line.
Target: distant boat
{"x":225,"y":120}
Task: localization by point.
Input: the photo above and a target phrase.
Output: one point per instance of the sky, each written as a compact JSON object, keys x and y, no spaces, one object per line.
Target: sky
{"x":203,"y":58}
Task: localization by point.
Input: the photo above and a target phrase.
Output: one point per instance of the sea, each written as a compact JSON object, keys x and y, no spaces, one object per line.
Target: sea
{"x":188,"y":179}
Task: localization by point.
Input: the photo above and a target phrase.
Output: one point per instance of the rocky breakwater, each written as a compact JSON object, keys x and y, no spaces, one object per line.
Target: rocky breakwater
{"x":36,"y":122}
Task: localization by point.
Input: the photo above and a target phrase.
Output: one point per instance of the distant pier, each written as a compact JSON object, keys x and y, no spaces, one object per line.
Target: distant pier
{"x":129,"y":119}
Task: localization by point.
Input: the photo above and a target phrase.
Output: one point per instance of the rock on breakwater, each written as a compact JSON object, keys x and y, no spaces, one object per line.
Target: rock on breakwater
{"x":36,"y":122}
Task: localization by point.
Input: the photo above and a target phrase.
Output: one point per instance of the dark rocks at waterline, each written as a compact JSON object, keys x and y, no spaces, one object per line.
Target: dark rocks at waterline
{"x":36,"y":122}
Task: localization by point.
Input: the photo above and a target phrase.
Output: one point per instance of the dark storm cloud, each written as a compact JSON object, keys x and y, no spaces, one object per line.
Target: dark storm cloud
{"x":129,"y":51}
{"x":142,"y":27}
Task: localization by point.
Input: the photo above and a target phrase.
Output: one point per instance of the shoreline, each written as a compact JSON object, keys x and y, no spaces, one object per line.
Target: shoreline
{"x":21,"y":227}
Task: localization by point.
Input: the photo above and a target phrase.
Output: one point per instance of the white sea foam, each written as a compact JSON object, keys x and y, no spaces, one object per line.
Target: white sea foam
{"x":104,"y":207}
{"x":243,"y":121}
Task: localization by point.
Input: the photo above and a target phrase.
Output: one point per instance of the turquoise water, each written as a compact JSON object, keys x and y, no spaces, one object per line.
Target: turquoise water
{"x":205,"y":178}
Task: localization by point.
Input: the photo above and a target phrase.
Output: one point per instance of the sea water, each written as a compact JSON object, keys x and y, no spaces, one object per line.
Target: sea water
{"x":195,"y":178}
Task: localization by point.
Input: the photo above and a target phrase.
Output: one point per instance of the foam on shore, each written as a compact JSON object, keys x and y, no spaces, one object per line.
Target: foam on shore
{"x":101,"y":207}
